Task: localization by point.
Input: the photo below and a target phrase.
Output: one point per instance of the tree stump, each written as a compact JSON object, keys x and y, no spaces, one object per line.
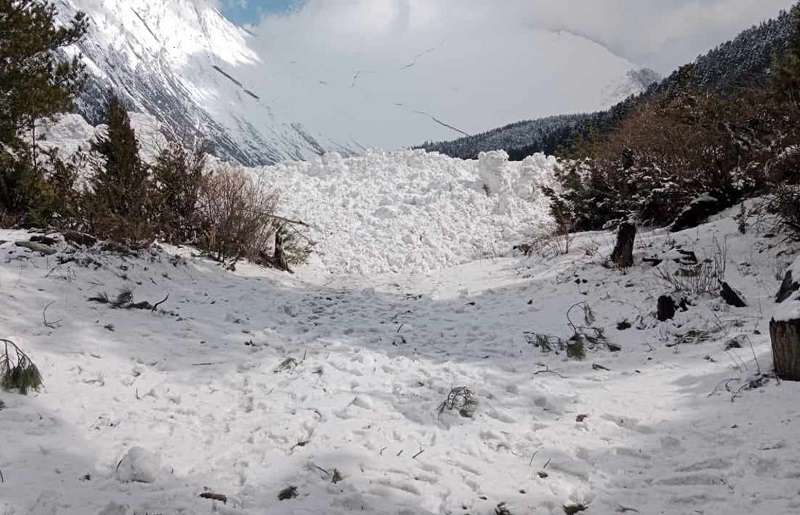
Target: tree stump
{"x":623,"y":251}
{"x":785,"y":335}
{"x":666,"y":308}
{"x":279,"y":259}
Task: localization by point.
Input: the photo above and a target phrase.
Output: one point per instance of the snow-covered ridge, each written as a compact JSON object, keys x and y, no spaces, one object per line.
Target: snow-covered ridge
{"x":413,"y":211}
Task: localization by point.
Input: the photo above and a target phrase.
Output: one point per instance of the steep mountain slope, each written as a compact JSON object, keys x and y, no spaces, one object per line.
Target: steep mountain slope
{"x":290,"y":93}
{"x":179,"y":61}
{"x":424,"y":74}
{"x":742,"y":62}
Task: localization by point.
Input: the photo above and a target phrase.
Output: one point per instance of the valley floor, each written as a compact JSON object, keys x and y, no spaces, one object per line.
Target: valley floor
{"x":249,"y":382}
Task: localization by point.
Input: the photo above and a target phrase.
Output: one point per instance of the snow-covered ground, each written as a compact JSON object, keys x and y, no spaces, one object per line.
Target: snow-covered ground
{"x":250,"y":382}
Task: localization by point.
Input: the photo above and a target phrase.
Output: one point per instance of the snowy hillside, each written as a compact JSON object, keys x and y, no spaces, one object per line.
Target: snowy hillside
{"x":178,"y":62}
{"x":286,"y":395}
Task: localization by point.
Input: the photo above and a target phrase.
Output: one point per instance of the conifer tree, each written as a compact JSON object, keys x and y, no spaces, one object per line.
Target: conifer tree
{"x":177,"y":175}
{"x":36,"y":81}
{"x":786,"y":69}
{"x":120,"y":182}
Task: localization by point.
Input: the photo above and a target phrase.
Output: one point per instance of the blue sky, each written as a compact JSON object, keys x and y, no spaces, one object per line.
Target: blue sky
{"x":251,"y":11}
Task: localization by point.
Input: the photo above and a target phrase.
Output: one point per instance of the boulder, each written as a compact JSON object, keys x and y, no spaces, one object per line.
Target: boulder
{"x":790,"y":284}
{"x":33,"y":246}
{"x":732,"y":296}
{"x":697,"y":212}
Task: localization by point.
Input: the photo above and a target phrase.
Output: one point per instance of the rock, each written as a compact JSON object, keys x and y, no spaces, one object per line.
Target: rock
{"x":44,"y":240}
{"x":789,"y":285}
{"x":79,"y":238}
{"x":732,"y":296}
{"x":139,"y":466}
{"x":734,"y":343}
{"x":697,"y":212}
{"x":666,"y":308}
{"x":290,"y":492}
{"x":36,"y":247}
{"x":688,"y":257}
{"x":115,"y":509}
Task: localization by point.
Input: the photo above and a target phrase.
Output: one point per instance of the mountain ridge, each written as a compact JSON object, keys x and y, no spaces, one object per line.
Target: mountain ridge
{"x":177,"y":62}
{"x":740,"y":62}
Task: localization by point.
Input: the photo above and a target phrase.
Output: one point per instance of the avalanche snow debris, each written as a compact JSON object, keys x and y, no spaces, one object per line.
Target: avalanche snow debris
{"x":412,"y":211}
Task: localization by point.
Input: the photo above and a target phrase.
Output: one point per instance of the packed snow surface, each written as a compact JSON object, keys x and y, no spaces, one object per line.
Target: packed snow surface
{"x":330,"y":390}
{"x":413,"y":211}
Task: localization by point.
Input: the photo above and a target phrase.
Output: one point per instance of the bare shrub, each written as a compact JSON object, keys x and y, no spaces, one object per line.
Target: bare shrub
{"x":703,"y":278}
{"x":236,"y":216}
{"x":785,"y":204}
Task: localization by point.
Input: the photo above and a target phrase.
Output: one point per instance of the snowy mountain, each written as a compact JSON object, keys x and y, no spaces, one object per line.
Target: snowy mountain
{"x":424,"y":74}
{"x":178,"y":61}
{"x":741,"y":62}
{"x":281,"y":93}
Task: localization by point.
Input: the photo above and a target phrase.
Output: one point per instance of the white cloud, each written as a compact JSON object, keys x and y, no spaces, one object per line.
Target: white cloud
{"x":662,"y":34}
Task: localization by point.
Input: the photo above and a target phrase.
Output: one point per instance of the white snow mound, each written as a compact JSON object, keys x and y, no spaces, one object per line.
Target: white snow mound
{"x":139,"y":466}
{"x":413,"y":211}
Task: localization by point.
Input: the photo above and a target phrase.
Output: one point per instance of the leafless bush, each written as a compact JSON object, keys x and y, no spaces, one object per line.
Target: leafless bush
{"x":556,"y":243}
{"x":237,"y":216}
{"x":703,"y":278}
{"x":785,"y":204}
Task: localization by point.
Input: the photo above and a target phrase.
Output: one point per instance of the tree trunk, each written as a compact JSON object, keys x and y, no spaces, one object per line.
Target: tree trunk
{"x":666,"y":308}
{"x":279,"y":259}
{"x":623,"y":252}
{"x":785,"y":337}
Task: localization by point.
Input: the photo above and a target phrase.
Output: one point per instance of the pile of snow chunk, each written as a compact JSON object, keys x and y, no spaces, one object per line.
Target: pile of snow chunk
{"x":139,"y":466}
{"x":413,"y":211}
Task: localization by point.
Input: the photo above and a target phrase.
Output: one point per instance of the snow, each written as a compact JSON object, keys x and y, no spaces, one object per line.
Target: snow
{"x":207,"y":387}
{"x":139,"y":466}
{"x":788,"y":311}
{"x":411,"y":211}
{"x":71,"y":133}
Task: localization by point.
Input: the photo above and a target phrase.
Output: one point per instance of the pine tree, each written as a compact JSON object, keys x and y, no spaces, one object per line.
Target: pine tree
{"x":786,"y":69}
{"x":36,"y":81}
{"x":177,"y":176}
{"x":121,"y":180}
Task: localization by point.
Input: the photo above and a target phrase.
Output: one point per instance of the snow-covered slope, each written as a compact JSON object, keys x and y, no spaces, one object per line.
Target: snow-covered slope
{"x":178,"y":62}
{"x":250,"y":383}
